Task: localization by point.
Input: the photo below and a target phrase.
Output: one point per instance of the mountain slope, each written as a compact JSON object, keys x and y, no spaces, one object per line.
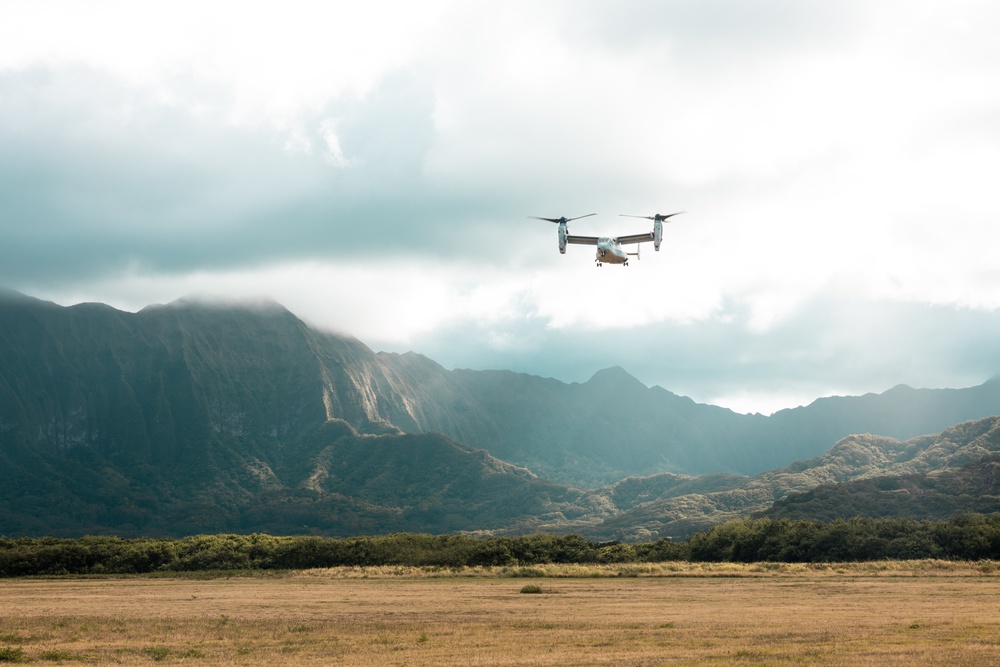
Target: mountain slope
{"x":612,"y":426}
{"x":975,"y":487}
{"x":200,"y":416}
{"x":928,"y":478}
{"x":331,"y":481}
{"x":171,"y":378}
{"x":874,"y":459}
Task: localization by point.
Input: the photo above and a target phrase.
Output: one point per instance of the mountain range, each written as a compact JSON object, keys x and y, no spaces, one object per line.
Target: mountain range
{"x":201,"y":416}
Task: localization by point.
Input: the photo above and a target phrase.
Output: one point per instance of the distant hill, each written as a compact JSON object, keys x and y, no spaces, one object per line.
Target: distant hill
{"x":612,"y":426}
{"x":975,"y":487}
{"x":935,"y":476}
{"x":198,"y":416}
{"x":932,"y":478}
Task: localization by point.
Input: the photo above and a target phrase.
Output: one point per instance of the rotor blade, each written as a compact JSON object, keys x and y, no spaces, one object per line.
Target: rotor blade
{"x":580,"y":216}
{"x":658,"y":216}
{"x":669,"y":215}
{"x":535,"y":217}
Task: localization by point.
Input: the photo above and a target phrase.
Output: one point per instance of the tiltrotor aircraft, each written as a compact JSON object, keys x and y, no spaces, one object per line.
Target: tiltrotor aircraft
{"x":609,"y":248}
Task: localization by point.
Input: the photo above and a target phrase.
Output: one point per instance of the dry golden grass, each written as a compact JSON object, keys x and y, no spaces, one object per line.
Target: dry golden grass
{"x":918,"y":613}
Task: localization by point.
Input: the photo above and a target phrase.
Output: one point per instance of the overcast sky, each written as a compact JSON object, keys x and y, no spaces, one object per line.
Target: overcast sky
{"x":373,"y":166}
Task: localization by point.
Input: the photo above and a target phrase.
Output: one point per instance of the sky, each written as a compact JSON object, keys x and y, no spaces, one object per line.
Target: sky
{"x":373,"y":167}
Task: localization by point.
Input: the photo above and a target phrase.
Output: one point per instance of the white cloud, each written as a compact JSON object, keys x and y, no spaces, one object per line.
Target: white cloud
{"x":372,"y":166}
{"x":334,"y":153}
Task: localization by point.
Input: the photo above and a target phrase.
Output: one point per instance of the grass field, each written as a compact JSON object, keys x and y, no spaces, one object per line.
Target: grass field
{"x":923,"y":613}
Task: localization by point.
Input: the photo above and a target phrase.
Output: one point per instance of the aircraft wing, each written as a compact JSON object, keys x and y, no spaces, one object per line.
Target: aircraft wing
{"x":636,"y":238}
{"x":582,"y":240}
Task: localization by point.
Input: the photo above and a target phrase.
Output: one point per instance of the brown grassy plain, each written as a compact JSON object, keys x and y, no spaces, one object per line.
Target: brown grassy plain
{"x":926,"y":613}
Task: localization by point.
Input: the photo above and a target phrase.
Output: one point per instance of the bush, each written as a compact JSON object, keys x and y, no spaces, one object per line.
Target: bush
{"x":972,"y":537}
{"x":11,"y":654}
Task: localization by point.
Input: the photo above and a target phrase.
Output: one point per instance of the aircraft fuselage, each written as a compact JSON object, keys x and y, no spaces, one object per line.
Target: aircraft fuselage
{"x":609,"y":251}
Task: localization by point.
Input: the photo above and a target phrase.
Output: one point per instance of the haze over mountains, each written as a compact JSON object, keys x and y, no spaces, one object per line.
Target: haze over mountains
{"x":202,"y":417}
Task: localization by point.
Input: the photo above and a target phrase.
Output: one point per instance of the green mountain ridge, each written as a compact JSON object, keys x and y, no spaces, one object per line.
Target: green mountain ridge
{"x":844,"y":477}
{"x":594,"y":433}
{"x":938,"y":477}
{"x":202,"y":416}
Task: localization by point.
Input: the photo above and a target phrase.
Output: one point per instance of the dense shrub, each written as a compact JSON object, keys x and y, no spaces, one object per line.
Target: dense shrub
{"x":970,"y":537}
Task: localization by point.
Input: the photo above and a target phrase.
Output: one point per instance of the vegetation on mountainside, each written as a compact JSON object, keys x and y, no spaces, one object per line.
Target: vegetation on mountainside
{"x":198,"y":418}
{"x":936,"y":477}
{"x":971,"y":537}
{"x":972,"y":488}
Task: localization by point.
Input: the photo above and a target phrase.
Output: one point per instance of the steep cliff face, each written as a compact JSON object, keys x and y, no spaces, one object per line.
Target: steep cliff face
{"x":200,"y":417}
{"x":163,"y":383}
{"x":589,"y":434}
{"x":195,"y":417}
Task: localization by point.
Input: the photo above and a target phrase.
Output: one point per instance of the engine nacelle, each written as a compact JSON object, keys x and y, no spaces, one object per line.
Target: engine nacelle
{"x":563,"y":236}
{"x":657,"y":234}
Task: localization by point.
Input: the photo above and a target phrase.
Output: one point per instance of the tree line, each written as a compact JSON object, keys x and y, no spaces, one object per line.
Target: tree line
{"x":969,"y":537}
